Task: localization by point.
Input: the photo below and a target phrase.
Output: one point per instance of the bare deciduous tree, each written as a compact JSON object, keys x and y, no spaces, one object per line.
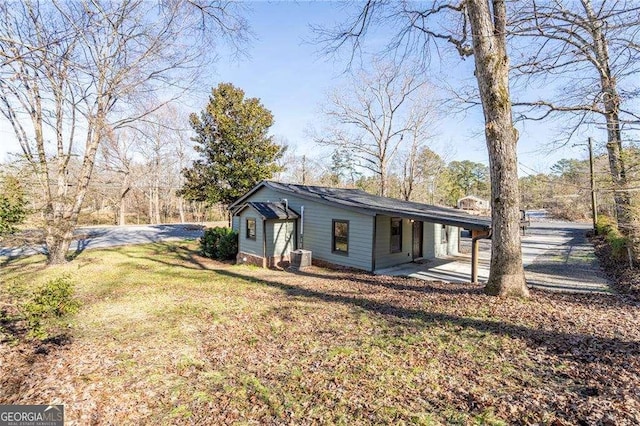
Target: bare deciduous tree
{"x":419,"y":167}
{"x":303,"y":168}
{"x":163,"y":141}
{"x":72,"y":71}
{"x":117,"y":152}
{"x":593,"y":55}
{"x":370,"y":118}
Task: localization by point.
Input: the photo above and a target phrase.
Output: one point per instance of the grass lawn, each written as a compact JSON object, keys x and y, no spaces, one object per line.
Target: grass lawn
{"x":164,"y":336}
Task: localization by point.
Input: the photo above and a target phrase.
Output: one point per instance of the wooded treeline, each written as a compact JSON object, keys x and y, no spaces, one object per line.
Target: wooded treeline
{"x":144,"y":187}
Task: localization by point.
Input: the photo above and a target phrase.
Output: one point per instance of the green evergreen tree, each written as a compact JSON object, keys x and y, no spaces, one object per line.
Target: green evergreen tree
{"x":235,"y":149}
{"x":570,"y":169}
{"x":13,"y":206}
{"x":470,"y":177}
{"x":343,"y":168}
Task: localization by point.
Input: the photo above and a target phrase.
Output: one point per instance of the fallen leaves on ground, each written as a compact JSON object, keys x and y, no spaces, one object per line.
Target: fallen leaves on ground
{"x":225,"y":344}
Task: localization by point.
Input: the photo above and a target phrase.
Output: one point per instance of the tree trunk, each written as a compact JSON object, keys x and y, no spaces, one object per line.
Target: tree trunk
{"x":625,"y":214}
{"x":122,"y":209}
{"x":383,"y":178}
{"x":122,"y":212}
{"x":409,"y":172}
{"x":181,"y":209}
{"x":611,"y":101}
{"x":58,"y":237}
{"x":150,"y":205}
{"x":124,"y":190}
{"x":506,"y":277}
{"x":156,"y":206}
{"x":64,"y":210}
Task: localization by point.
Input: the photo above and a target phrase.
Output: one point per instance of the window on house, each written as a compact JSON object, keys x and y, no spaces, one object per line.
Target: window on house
{"x":340,"y":236}
{"x":396,"y":235}
{"x":251,"y":229}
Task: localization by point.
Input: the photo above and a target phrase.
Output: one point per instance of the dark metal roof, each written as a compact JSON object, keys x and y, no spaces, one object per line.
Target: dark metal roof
{"x":363,"y":202}
{"x":271,"y":210}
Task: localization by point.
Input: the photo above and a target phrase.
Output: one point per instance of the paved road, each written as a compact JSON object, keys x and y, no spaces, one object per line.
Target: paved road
{"x":556,"y":256}
{"x":110,"y":236}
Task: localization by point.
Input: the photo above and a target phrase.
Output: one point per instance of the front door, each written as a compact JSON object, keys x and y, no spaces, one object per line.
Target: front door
{"x":417,"y":239}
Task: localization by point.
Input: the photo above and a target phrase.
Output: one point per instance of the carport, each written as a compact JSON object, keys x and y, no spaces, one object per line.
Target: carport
{"x":478,"y":226}
{"x":556,"y":256}
{"x":453,"y":269}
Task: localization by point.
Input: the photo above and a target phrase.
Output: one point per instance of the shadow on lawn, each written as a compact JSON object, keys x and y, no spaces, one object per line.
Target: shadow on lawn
{"x":197,"y":261}
{"x":398,"y":283}
{"x":578,"y":347}
{"x":185,"y":254}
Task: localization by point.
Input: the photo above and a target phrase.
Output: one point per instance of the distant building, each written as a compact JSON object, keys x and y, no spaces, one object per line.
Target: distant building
{"x":473,"y":204}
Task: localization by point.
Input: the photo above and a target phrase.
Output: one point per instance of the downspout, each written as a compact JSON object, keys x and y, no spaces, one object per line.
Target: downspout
{"x":301,"y":227}
{"x":264,"y":243}
{"x":373,"y":244}
{"x":474,"y":251}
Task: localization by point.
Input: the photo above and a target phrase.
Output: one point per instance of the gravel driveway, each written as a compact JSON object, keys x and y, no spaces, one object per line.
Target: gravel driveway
{"x":564,"y":259}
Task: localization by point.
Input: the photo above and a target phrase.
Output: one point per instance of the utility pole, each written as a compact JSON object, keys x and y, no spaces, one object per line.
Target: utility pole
{"x":594,"y":205}
{"x":594,"y":211}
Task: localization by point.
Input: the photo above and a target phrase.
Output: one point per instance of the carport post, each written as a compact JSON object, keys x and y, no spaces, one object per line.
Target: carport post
{"x":476,"y":235}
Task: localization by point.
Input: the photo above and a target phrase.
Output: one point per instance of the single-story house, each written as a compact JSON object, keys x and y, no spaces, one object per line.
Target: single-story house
{"x":346,"y":227}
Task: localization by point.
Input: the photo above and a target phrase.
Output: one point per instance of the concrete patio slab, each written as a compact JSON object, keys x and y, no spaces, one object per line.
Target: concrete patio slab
{"x":556,"y":256}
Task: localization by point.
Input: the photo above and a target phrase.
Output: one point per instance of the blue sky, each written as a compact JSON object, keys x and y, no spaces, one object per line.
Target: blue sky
{"x":284,"y":69}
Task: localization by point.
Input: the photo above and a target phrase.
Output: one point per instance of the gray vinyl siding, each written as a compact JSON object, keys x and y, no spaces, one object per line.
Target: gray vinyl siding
{"x":318,"y":229}
{"x":453,"y":240}
{"x":433,"y":245}
{"x":428,"y":248}
{"x":280,"y":237}
{"x":247,"y":245}
{"x":441,"y":248}
{"x":235,"y":223}
{"x":384,"y":257}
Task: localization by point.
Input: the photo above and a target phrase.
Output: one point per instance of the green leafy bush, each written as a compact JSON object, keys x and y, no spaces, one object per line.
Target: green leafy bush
{"x":48,"y":305}
{"x":219,"y":243}
{"x":607,"y":227}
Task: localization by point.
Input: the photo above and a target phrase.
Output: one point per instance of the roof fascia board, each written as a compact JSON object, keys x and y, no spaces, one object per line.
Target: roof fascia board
{"x":247,"y":205}
{"x":448,"y":222}
{"x":430,"y":218}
